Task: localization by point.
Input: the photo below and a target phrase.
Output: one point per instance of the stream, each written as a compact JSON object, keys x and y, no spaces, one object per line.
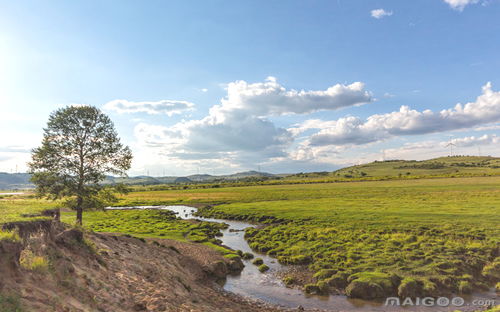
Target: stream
{"x":269,"y":288}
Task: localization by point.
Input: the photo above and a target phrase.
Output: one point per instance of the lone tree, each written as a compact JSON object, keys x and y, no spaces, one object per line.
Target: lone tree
{"x":80,"y":146}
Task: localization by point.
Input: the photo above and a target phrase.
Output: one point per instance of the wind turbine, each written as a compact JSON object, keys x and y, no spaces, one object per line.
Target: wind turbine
{"x":451,"y":144}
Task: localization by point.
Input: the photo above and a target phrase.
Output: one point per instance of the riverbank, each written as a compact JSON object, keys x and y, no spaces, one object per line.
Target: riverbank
{"x":55,"y":268}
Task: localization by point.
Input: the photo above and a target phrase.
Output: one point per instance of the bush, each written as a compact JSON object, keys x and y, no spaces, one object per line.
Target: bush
{"x":258,"y":261}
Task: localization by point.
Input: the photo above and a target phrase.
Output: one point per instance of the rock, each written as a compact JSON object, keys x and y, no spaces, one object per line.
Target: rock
{"x":300,"y":308}
{"x":217,"y":269}
{"x":235,"y":265}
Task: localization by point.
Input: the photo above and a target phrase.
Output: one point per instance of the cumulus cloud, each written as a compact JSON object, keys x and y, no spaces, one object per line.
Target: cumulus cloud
{"x":380,"y":13}
{"x":166,"y":107}
{"x":460,"y":5}
{"x":354,"y":130}
{"x":239,"y":127}
{"x":269,"y":98}
{"x":486,"y":139}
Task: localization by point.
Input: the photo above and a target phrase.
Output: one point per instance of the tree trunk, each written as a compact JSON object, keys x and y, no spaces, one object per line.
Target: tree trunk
{"x":79,"y":210}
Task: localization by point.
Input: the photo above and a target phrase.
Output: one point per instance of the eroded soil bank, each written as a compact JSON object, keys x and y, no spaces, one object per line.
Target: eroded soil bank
{"x":54,"y":268}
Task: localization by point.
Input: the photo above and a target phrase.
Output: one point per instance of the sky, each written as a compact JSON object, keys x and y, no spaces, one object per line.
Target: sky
{"x":219,"y":87}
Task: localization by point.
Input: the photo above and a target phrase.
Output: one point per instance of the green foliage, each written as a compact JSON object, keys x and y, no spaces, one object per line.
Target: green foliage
{"x":11,"y":236}
{"x":80,"y":146}
{"x":258,"y":261}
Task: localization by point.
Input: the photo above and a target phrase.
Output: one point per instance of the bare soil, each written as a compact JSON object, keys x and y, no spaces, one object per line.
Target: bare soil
{"x":107,"y":272}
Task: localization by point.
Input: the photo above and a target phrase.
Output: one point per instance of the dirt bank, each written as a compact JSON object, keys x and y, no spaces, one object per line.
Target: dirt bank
{"x":59,"y":269}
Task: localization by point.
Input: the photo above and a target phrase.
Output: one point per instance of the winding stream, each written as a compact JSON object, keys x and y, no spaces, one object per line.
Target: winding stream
{"x":267,"y":287}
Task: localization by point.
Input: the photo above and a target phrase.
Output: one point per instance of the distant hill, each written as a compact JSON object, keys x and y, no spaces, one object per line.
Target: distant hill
{"x":10,"y":181}
{"x":454,"y":165}
{"x":443,"y":166}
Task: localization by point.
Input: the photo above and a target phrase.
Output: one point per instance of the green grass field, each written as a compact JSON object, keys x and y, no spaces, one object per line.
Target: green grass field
{"x":442,"y":233}
{"x":23,"y":208}
{"x":422,"y":236}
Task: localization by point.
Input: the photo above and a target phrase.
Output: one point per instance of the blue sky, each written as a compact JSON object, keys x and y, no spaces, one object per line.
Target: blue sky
{"x":209,"y":85}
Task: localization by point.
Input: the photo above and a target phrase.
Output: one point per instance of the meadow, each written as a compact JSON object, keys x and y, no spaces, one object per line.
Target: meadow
{"x":367,"y":238}
{"x":418,"y":237}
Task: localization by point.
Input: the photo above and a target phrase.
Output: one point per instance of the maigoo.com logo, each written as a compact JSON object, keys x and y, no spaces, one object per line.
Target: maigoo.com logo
{"x":432,"y":302}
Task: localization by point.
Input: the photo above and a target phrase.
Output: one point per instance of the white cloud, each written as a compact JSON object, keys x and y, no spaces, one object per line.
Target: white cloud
{"x":269,"y":98}
{"x":486,"y":139}
{"x":354,"y":130}
{"x":239,"y":129}
{"x":380,"y":13}
{"x":486,"y":128}
{"x":166,"y":107}
{"x":459,"y":5}
{"x":204,"y":90}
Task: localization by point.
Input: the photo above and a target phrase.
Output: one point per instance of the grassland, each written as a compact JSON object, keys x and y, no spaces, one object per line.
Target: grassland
{"x":403,"y":236}
{"x":430,"y":236}
{"x":23,"y":208}
{"x":147,"y":223}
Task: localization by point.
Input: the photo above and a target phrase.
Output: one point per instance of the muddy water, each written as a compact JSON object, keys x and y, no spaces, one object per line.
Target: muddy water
{"x":267,"y":287}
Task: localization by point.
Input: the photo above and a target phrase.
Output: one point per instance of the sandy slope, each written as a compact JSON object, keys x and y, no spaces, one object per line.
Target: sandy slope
{"x":106,"y":272}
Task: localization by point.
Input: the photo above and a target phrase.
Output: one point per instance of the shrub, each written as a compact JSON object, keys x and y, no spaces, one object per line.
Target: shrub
{"x":258,"y":261}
